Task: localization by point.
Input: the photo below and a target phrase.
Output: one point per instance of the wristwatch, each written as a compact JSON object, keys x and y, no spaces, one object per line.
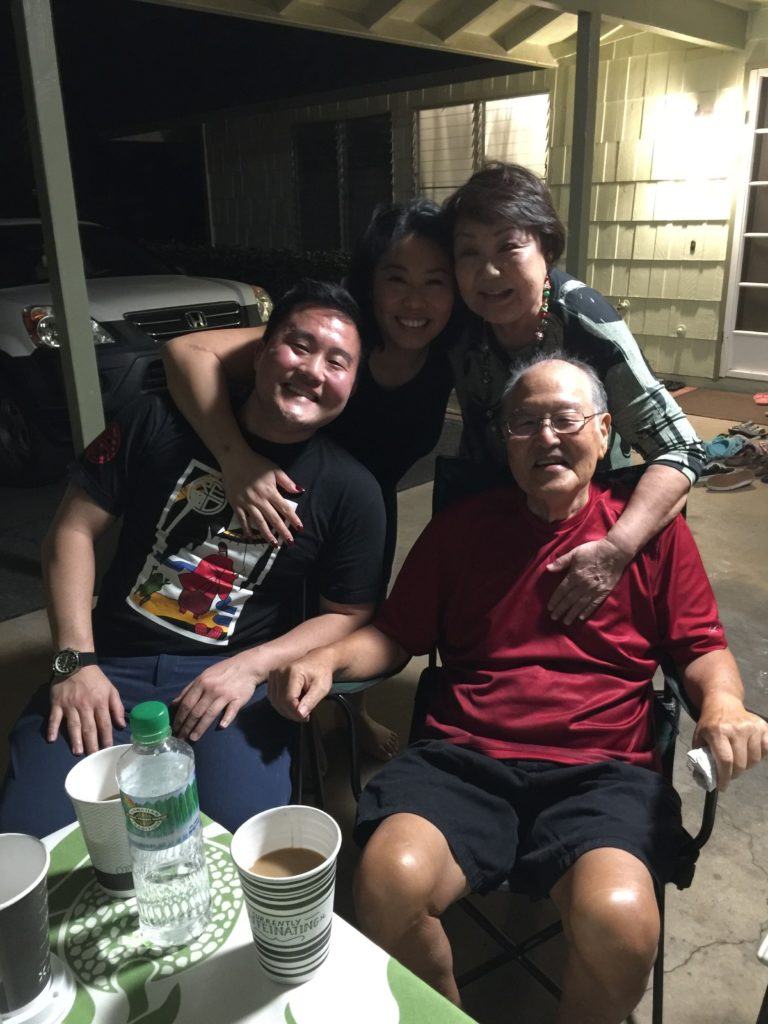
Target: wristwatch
{"x":67,"y":661}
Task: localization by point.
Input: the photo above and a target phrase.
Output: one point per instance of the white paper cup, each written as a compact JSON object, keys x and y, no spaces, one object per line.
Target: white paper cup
{"x":102,"y":821}
{"x":290,"y":917}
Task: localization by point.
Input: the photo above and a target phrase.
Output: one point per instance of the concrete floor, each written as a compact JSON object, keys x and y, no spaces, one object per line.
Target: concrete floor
{"x":713,"y":929}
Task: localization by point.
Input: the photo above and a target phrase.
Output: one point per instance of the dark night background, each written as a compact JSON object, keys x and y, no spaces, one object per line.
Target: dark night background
{"x":127,"y":66}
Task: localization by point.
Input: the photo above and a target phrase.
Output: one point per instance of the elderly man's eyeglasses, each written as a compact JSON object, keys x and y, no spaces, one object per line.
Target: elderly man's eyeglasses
{"x":567,"y":421}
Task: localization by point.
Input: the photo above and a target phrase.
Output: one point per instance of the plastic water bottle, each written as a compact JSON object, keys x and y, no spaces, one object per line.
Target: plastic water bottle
{"x":162,"y":812}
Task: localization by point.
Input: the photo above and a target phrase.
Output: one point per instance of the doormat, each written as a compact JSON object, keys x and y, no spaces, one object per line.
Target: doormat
{"x":720,"y":405}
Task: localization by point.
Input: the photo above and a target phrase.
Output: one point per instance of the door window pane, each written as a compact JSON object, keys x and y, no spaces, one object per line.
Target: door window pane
{"x":755,"y":266}
{"x":760,"y":160}
{"x":762,"y":112}
{"x":757,"y":214}
{"x":753,"y":310}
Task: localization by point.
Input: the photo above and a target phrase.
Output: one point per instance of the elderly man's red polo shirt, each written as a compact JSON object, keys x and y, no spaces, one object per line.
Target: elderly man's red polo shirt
{"x":518,"y":685}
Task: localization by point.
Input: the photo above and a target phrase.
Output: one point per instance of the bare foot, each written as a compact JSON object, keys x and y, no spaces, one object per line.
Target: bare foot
{"x":376,"y":739}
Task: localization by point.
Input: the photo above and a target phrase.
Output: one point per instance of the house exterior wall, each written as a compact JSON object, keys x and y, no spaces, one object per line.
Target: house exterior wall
{"x":663,"y":188}
{"x":249,"y":155}
{"x":666,"y":147}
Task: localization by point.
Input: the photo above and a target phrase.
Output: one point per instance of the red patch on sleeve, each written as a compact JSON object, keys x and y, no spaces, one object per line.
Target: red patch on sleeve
{"x":106,"y":446}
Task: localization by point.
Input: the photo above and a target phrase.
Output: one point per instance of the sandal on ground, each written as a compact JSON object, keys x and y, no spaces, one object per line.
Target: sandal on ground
{"x":748,"y":429}
{"x":732,"y":480}
{"x":754,"y":456}
{"x":761,"y":398}
{"x":722,"y":446}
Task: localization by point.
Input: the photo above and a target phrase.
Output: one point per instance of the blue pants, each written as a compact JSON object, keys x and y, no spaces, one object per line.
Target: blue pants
{"x":241,"y":770}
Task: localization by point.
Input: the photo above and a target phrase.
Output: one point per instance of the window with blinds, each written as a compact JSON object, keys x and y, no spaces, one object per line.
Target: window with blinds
{"x":516,"y":131}
{"x":446,"y":149}
{"x":316,"y":159}
{"x":342,"y":170}
{"x":453,"y":142}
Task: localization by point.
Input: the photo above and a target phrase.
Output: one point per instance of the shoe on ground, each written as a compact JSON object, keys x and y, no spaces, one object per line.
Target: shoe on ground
{"x":731,"y":480}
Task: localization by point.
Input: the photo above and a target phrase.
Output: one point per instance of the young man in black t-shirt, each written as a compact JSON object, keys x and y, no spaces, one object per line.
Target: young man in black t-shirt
{"x":194,"y":609}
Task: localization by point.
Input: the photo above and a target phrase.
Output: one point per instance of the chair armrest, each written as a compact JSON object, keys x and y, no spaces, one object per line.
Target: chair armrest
{"x":707,"y":820}
{"x":672,"y":700}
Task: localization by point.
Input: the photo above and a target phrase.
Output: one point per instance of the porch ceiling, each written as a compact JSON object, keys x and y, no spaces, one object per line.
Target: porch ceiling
{"x":537,"y":33}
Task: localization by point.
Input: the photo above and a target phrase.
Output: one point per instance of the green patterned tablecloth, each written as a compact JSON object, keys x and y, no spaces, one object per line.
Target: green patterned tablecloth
{"x":217,"y":979}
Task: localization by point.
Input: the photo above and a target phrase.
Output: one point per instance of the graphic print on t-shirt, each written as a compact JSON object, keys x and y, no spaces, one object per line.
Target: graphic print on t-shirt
{"x":202,"y":569}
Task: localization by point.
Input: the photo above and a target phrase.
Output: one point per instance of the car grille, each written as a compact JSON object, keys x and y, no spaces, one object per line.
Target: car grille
{"x":154,"y":378}
{"x":168,"y":323}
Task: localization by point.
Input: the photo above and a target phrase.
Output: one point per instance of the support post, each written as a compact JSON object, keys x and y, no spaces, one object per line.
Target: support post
{"x":53,"y":176}
{"x":583,"y":143}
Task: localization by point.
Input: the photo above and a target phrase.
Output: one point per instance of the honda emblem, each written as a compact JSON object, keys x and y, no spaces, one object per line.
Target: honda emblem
{"x":196,"y":319}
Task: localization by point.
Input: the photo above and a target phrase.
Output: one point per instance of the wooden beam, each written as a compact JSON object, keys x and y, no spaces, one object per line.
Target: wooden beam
{"x":707,"y":22}
{"x":486,"y":46}
{"x":389,"y":28}
{"x":461,"y":18}
{"x":583,"y":143}
{"x":36,"y":48}
{"x":699,"y":21}
{"x":531,"y":53}
{"x":521,"y":28}
{"x":610,"y":32}
{"x":376,"y":11}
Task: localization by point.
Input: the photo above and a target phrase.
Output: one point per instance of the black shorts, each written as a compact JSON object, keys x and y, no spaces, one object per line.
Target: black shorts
{"x":527,"y":822}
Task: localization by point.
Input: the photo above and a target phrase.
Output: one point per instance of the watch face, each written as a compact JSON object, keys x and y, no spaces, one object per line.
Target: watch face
{"x":65,"y":662}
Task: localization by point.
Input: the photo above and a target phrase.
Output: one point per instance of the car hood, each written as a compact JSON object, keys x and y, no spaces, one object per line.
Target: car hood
{"x":110,"y":298}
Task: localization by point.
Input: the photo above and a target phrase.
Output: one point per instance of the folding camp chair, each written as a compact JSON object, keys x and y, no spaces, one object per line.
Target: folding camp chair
{"x":762,"y":955}
{"x":455,"y":478}
{"x":308,"y":737}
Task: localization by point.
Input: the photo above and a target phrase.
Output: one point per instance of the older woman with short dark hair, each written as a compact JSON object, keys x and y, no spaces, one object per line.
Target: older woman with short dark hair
{"x":507,"y":237}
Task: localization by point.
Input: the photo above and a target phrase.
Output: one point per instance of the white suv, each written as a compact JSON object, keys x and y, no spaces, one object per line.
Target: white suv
{"x":136,"y":304}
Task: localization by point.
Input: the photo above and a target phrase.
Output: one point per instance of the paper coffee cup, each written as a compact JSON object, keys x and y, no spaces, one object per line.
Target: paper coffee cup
{"x":25,"y":952}
{"x":290,"y":917}
{"x":92,"y":787}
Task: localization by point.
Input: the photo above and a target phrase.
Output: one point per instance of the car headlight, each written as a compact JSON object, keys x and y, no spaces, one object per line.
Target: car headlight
{"x":40,"y":323}
{"x":264,"y":302}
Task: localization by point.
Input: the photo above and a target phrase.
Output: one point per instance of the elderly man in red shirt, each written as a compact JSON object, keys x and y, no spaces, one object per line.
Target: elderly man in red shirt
{"x":537,"y":763}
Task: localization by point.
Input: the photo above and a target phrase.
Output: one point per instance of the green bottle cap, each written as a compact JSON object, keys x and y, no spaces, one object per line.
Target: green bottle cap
{"x":150,"y":722}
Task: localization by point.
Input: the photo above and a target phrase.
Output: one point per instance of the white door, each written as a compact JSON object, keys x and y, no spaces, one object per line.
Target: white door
{"x":745,"y":348}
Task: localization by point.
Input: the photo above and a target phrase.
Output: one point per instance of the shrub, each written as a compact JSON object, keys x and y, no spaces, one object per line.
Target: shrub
{"x":274,"y":269}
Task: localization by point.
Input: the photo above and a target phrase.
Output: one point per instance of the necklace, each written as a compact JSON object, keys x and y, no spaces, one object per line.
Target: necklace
{"x":538,"y":335}
{"x":542,"y":324}
{"x":487,"y":391}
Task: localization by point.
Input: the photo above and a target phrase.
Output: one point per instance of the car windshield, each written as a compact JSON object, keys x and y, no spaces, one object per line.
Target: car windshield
{"x":23,"y":260}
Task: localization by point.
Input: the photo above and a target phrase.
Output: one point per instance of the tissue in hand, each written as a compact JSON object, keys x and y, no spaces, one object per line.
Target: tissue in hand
{"x":702,"y":765}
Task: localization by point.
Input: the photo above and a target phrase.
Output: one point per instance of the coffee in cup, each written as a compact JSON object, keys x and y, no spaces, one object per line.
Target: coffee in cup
{"x":286,"y":860}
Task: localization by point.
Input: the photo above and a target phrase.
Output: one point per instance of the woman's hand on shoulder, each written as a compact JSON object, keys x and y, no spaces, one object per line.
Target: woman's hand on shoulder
{"x":592,"y":571}
{"x":252,"y":485}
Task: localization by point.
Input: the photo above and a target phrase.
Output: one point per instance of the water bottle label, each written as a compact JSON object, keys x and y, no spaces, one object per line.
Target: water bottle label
{"x":159,"y":822}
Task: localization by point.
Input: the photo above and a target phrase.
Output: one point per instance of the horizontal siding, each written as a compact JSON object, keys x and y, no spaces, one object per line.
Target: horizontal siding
{"x":665,"y":148}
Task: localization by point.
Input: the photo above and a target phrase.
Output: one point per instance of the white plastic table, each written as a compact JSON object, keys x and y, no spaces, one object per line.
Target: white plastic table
{"x":217,"y":979}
